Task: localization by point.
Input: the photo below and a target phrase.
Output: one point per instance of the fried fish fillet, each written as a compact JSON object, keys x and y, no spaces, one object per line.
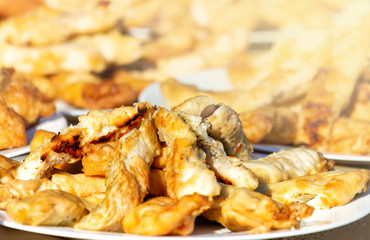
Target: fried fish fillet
{"x":48,"y":207}
{"x":322,"y":190}
{"x":288,"y":164}
{"x":241,"y":209}
{"x":23,"y":97}
{"x":164,"y":215}
{"x":185,"y":163}
{"x":127,"y":178}
{"x":67,"y":146}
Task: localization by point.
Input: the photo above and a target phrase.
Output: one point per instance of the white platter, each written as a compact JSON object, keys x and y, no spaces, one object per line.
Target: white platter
{"x":69,"y":110}
{"x":339,"y":158}
{"x":321,"y":220}
{"x":55,"y":123}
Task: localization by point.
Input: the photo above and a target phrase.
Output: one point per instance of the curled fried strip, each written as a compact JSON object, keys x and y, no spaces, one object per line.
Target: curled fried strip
{"x":164,"y":215}
{"x":127,"y":179}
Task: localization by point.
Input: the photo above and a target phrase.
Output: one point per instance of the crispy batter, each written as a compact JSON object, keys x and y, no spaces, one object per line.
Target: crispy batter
{"x":241,"y":209}
{"x":288,"y":164}
{"x":96,"y":158}
{"x":21,"y":95}
{"x":323,"y":190}
{"x":349,"y":136}
{"x":48,"y":207}
{"x":12,"y":128}
{"x":163,"y":215}
{"x":127,"y":178}
{"x":40,"y":137}
{"x":8,"y":167}
{"x":185,"y":163}
{"x":157,"y":181}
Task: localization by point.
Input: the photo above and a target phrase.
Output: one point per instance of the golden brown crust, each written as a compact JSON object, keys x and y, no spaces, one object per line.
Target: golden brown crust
{"x":163,"y":215}
{"x":21,"y":95}
{"x":241,"y":209}
{"x":322,"y":190}
{"x":349,"y":136}
{"x":12,"y":129}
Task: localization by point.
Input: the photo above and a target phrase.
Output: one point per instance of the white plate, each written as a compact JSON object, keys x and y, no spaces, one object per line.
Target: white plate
{"x":339,"y":158}
{"x":215,"y":79}
{"x":55,"y":123}
{"x":321,"y":220}
{"x":69,"y":110}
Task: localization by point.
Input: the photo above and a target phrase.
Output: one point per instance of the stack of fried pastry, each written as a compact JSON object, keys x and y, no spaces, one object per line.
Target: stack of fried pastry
{"x":311,"y":88}
{"x":151,"y":171}
{"x":21,"y":105}
{"x":84,"y":53}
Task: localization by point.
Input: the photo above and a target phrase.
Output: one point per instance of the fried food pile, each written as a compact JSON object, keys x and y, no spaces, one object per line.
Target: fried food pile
{"x":21,"y":105}
{"x":311,"y":88}
{"x":101,"y":54}
{"x":152,"y":171}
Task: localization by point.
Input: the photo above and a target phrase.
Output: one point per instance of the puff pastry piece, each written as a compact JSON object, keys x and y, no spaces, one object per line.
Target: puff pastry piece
{"x":349,"y":136}
{"x":18,"y":93}
{"x":127,"y":179}
{"x":241,"y":209}
{"x":163,"y":215}
{"x":185,"y":163}
{"x":326,"y":99}
{"x":48,"y":207}
{"x":288,"y":164}
{"x":94,"y":53}
{"x":270,"y":125}
{"x":12,"y":128}
{"x":58,"y":21}
{"x":67,"y":146}
{"x":323,"y":190}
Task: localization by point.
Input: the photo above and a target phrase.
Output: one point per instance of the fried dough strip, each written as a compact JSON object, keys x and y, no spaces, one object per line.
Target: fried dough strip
{"x":48,"y":207}
{"x":288,"y":164}
{"x":127,"y":179}
{"x":229,"y":169}
{"x":185,"y":163}
{"x":12,"y":129}
{"x":164,"y":215}
{"x":241,"y":209}
{"x":95,"y":127}
{"x":322,"y":190}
